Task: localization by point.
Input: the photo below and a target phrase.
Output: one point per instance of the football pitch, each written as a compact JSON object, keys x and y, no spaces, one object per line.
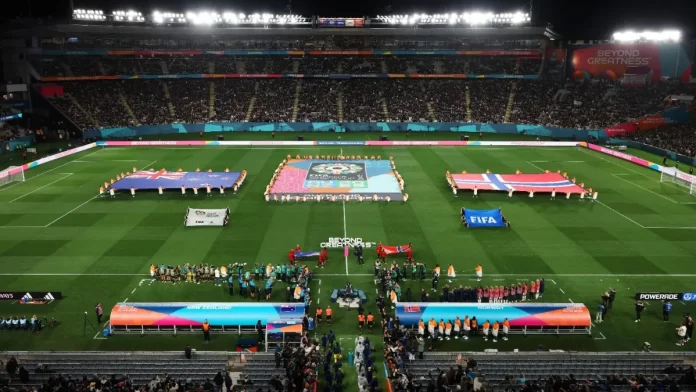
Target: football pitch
{"x":56,"y":235}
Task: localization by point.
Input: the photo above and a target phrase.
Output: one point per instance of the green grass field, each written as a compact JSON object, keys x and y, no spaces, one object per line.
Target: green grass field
{"x":639,"y":237}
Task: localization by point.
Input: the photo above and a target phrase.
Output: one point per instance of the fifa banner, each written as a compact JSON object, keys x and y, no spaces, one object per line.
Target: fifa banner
{"x":652,"y":296}
{"x":29,"y":296}
{"x":209,"y":217}
{"x":186,"y":314}
{"x":483,"y":218}
{"x":519,"y":315}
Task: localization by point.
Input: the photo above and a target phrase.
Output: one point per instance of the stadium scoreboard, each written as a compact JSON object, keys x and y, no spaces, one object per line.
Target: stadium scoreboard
{"x":340,"y":22}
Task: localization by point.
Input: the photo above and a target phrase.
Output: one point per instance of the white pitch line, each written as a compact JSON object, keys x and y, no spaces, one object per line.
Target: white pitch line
{"x":40,"y":188}
{"x":345,"y":233}
{"x":125,"y":300}
{"x":133,"y":290}
{"x":673,"y":228}
{"x":333,"y":275}
{"x":682,"y":302}
{"x":571,"y":301}
{"x":47,"y":171}
{"x":552,"y":281}
{"x":148,"y":165}
{"x":530,"y":162}
{"x":562,"y":291}
{"x":646,"y":189}
{"x":602,"y":337}
{"x":622,"y":215}
{"x":69,"y":212}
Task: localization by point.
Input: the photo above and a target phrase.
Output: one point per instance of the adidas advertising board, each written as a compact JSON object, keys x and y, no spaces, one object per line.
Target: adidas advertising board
{"x":30,"y":295}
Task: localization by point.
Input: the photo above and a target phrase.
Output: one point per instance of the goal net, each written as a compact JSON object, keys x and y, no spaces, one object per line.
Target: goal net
{"x":11,"y":174}
{"x":679,"y":178}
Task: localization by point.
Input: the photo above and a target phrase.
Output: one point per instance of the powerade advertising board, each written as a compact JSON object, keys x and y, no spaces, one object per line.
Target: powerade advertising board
{"x":184,"y":314}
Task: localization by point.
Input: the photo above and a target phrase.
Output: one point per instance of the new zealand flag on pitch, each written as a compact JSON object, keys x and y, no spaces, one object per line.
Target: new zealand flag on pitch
{"x":174,"y":180}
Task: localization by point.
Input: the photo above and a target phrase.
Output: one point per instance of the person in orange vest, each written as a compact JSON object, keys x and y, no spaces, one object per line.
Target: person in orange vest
{"x":479,"y":272}
{"x":328,"y":314}
{"x":206,"y":331}
{"x":370,"y":320}
{"x":494,"y":331}
{"x":318,"y":316}
{"x":467,"y":327}
{"x":361,"y":321}
{"x":506,"y":328}
{"x":457,"y":328}
{"x":448,"y":329}
{"x":486,"y":328}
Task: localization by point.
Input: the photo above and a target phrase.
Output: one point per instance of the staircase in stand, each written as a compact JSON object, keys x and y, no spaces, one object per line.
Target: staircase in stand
{"x":66,"y":69}
{"x":102,"y":69}
{"x":165,"y":69}
{"x":339,"y":102}
{"x":468,"y":105}
{"x":211,"y":104}
{"x":82,"y":109}
{"x":385,"y":109}
{"x":429,"y":105}
{"x":383,"y":66}
{"x":296,"y":103}
{"x":510,"y":104}
{"x":170,"y":106}
{"x":252,"y":102}
{"x":128,"y":109}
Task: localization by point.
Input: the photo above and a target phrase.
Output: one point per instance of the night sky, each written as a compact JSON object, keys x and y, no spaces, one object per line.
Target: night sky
{"x":577,"y":19}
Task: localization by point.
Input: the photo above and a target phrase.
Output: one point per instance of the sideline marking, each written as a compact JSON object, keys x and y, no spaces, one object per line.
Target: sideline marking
{"x":562,"y":291}
{"x":646,"y":189}
{"x":345,"y":229}
{"x":620,"y":214}
{"x":602,"y":337}
{"x":571,"y":301}
{"x":552,"y":281}
{"x":69,"y":212}
{"x":333,"y":275}
{"x":134,"y":290}
{"x":48,"y":171}
{"x":40,"y":188}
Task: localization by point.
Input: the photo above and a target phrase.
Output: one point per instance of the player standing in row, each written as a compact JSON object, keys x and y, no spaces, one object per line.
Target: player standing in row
{"x":479,"y":272}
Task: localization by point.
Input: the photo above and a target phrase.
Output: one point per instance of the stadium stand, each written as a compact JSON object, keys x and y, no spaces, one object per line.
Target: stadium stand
{"x":580,"y":105}
{"x":679,"y":138}
{"x":138,"y":367}
{"x":548,"y":371}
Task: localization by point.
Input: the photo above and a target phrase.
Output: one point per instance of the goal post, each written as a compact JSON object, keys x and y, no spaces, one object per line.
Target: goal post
{"x":12,"y":174}
{"x":680,"y":179}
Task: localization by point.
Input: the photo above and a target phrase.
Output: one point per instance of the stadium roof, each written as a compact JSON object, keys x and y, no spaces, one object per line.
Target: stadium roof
{"x":182,"y":32}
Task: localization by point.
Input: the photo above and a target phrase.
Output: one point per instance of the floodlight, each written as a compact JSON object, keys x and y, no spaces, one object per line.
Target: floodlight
{"x":654,"y":36}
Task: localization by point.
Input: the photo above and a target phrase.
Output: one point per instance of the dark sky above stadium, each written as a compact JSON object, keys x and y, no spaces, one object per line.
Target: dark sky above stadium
{"x":575,"y":19}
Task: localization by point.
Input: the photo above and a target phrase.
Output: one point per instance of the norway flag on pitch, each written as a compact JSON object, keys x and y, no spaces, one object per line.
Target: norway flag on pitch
{"x":396,"y":249}
{"x":545,"y":182}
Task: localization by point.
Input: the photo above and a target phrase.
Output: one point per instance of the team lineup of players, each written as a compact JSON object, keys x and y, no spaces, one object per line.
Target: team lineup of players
{"x":297,"y":277}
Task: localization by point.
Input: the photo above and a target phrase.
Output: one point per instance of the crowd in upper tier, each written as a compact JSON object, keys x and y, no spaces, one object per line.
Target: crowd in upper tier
{"x":590,"y":105}
{"x":172,"y":65}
